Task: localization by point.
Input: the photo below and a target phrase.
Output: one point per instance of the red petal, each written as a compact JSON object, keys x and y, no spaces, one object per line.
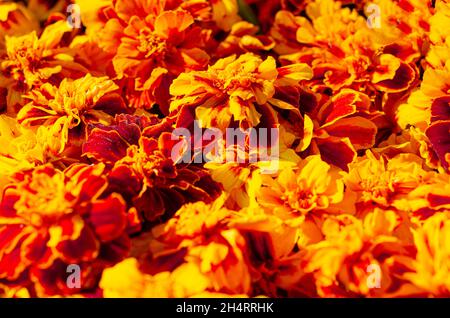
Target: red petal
{"x":105,"y":145}
{"x":108,"y":217}
{"x":440,"y":109}
{"x":359,"y":130}
{"x":336,"y":151}
{"x":84,"y":248}
{"x":439,"y":135}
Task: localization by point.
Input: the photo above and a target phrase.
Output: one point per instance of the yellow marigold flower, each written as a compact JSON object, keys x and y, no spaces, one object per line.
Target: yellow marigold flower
{"x":194,"y":219}
{"x":376,"y":180}
{"x":70,"y":105}
{"x":432,"y":262}
{"x":29,"y":61}
{"x":313,"y":185}
{"x":237,"y":89}
{"x":236,"y":177}
{"x":126,"y":280}
{"x":268,"y":236}
{"x":411,"y":140}
{"x":225,"y":13}
{"x":340,"y":263}
{"x":199,"y":233}
{"x":21,"y":149}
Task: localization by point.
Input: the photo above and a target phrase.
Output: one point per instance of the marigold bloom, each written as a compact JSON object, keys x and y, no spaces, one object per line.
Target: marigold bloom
{"x":215,"y":250}
{"x":29,"y":61}
{"x":141,"y":156}
{"x":343,"y":51}
{"x":376,"y":180}
{"x":312,"y":186}
{"x":431,"y":265}
{"x":235,"y":89}
{"x":21,"y":149}
{"x":71,"y":105}
{"x":151,"y":43}
{"x":349,"y":248}
{"x":52,"y":218}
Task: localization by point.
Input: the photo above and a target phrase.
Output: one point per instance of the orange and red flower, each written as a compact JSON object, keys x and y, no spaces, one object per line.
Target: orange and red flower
{"x":52,"y":218}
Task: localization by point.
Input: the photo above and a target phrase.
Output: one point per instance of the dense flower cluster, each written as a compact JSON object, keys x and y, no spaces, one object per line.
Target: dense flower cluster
{"x":95,"y":174}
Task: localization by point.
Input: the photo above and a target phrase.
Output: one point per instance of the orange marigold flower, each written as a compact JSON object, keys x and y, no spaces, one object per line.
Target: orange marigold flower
{"x":377,"y":180}
{"x":52,"y":218}
{"x":67,"y":109}
{"x":311,"y":186}
{"x":343,"y":51}
{"x":343,"y":262}
{"x":215,"y":251}
{"x":151,"y":43}
{"x":29,"y":61}
{"x":235,"y":89}
{"x":432,"y":262}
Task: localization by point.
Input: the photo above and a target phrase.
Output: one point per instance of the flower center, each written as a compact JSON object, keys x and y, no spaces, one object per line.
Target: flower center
{"x":44,"y":199}
{"x":151,"y":45}
{"x":301,"y":200}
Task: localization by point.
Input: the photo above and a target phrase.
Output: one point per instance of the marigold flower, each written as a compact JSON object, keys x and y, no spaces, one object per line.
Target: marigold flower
{"x":52,"y":218}
{"x":151,"y":43}
{"x":376,"y":180}
{"x":71,"y":105}
{"x":239,"y":89}
{"x":21,"y":151}
{"x":312,"y":186}
{"x":29,"y":61}
{"x":215,"y":250}
{"x":349,"y":247}
{"x":431,"y":265}
{"x":156,"y":183}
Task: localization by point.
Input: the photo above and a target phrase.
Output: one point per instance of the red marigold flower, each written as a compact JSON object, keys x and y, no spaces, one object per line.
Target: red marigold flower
{"x":141,"y":158}
{"x":52,"y":218}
